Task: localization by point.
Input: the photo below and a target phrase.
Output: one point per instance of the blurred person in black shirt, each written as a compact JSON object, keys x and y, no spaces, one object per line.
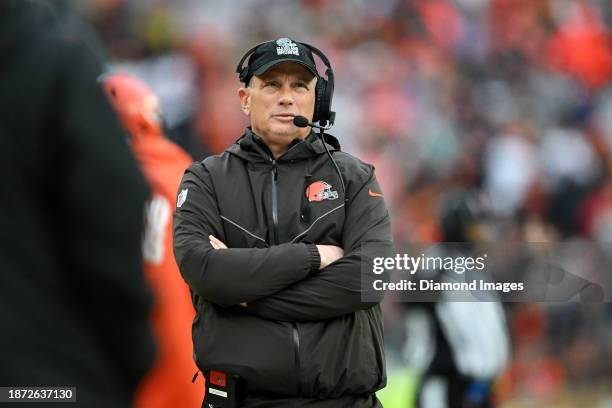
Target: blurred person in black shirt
{"x":459,"y":348}
{"x":73,"y":300}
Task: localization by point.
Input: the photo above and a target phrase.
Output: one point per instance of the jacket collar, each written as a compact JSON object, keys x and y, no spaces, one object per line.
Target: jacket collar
{"x":252,"y":148}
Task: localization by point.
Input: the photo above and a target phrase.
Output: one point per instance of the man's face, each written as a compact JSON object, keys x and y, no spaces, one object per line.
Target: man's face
{"x":272,"y":100}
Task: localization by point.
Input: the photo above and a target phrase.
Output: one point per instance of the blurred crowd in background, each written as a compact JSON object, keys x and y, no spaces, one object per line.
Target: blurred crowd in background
{"x":508,"y":99}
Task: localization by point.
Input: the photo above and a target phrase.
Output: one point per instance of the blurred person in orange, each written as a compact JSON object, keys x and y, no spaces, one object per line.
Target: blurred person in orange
{"x":163,"y":162}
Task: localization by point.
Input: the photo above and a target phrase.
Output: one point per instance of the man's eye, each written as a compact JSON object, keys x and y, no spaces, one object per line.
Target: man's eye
{"x":273,"y":84}
{"x":301,"y":85}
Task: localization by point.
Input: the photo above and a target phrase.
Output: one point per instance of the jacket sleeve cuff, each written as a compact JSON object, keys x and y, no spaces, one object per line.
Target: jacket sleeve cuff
{"x":314,"y":257}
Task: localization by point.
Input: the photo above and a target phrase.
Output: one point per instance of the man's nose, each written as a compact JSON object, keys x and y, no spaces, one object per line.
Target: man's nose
{"x":286,"y":96}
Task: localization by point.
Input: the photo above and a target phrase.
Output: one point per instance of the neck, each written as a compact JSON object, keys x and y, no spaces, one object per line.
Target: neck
{"x":280,"y":144}
{"x":277,"y":149}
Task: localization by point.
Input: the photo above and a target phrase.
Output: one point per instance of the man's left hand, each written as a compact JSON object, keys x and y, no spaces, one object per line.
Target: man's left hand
{"x":216,"y":243}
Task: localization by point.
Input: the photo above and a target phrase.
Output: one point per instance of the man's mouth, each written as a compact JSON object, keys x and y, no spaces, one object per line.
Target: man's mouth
{"x":284,"y":117}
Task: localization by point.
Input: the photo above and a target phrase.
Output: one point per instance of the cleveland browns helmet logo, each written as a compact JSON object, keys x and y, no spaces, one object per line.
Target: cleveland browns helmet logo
{"x":319,"y":191}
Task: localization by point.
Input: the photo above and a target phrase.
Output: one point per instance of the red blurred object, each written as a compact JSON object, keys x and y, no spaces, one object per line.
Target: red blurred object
{"x":218,"y":378}
{"x":163,"y":163}
{"x":136,"y":105}
{"x":518,"y":25}
{"x":539,"y":378}
{"x":596,"y":212}
{"x":443,"y":22}
{"x":528,"y":325}
{"x":581,"y":48}
{"x":532,"y":374}
{"x":219,"y":121}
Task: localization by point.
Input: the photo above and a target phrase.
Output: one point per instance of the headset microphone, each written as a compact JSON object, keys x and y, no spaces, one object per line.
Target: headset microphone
{"x":302,"y":122}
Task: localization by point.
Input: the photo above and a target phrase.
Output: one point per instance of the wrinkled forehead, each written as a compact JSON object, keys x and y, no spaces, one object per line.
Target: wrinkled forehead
{"x":289,"y":68}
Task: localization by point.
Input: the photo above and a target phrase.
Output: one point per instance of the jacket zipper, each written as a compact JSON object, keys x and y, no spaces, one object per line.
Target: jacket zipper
{"x":274,"y":203}
{"x":296,"y":348}
{"x":275,"y":240}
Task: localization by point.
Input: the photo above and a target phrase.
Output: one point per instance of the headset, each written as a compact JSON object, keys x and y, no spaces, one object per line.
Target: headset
{"x":324,"y":90}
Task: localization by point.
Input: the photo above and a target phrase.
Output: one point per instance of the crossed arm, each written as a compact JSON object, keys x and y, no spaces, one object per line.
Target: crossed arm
{"x":337,"y":289}
{"x":328,"y":253}
{"x":281,"y":282}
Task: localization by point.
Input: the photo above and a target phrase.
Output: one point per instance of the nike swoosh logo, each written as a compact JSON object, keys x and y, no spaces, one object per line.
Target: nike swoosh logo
{"x":373,"y":194}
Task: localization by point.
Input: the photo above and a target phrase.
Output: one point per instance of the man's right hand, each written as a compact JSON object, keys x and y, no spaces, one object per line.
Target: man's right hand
{"x":329,"y":254}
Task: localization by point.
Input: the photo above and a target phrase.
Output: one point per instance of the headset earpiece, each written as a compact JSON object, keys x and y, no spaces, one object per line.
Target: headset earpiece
{"x":324,"y":91}
{"x":324,"y":99}
{"x":319,"y":94}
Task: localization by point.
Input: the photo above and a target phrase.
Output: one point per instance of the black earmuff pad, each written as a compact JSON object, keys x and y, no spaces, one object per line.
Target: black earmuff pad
{"x":326,"y":99}
{"x":325,"y":104}
{"x":320,"y":90}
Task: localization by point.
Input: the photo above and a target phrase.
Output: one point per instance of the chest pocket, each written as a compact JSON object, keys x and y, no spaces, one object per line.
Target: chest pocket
{"x":239,"y":236}
{"x":242,"y":207}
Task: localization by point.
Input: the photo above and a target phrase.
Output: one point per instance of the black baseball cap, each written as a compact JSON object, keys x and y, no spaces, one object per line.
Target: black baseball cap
{"x":274,"y":52}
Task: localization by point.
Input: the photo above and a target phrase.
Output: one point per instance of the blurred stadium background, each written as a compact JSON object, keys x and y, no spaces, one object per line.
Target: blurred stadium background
{"x":510,"y":97}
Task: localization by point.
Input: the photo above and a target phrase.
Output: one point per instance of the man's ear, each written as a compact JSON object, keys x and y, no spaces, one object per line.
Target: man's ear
{"x":245,"y":100}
